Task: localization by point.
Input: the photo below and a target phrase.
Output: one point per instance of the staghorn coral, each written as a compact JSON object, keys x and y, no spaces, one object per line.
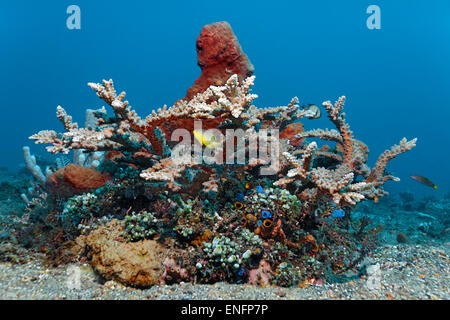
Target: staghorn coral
{"x":207,"y":228}
{"x":226,"y":106}
{"x":378,"y":171}
{"x":166,"y":170}
{"x":338,"y":184}
{"x":301,"y":168}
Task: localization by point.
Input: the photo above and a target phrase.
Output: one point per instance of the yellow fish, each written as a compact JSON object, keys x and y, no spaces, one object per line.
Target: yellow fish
{"x":206,"y":140}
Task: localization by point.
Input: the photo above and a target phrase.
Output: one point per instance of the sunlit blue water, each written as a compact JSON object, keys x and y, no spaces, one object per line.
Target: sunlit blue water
{"x":396,"y":79}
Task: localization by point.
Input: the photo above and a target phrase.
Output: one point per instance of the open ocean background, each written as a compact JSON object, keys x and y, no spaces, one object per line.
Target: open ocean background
{"x":396,"y":79}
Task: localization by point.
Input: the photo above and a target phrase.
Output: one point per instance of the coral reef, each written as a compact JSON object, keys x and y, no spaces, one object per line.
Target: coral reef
{"x":199,"y":192}
{"x":338,"y":183}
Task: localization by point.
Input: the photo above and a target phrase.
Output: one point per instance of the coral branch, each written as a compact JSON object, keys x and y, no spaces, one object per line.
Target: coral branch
{"x":390,"y":154}
{"x":336,"y":184}
{"x":331,"y":135}
{"x":301,"y":168}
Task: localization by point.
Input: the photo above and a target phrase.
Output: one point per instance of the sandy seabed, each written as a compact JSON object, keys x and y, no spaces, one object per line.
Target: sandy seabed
{"x":404,"y":271}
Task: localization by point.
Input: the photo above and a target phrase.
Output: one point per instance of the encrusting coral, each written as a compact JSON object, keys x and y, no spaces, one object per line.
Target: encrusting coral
{"x":207,"y":218}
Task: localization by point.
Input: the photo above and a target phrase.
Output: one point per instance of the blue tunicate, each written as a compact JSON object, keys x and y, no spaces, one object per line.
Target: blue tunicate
{"x":266,"y":214}
{"x":241,"y":272}
{"x":338,"y":213}
{"x":4,"y":234}
{"x":240,"y":197}
{"x":259,"y":222}
{"x":259,"y":189}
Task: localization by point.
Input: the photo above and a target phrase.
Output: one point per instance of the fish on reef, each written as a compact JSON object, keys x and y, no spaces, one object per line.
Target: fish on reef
{"x":313,"y":110}
{"x":424,"y":181}
{"x":207,"y":140}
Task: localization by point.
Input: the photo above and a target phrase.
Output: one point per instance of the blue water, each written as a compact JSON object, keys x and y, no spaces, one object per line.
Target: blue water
{"x":396,"y":79}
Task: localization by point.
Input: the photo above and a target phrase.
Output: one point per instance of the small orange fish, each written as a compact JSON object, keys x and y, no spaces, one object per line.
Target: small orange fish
{"x":424,"y":181}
